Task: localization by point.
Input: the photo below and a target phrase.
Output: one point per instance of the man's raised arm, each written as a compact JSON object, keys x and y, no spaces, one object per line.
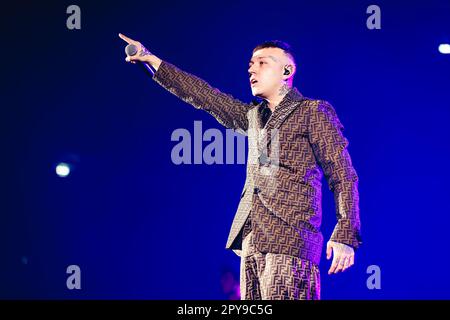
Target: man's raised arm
{"x":230,"y":112}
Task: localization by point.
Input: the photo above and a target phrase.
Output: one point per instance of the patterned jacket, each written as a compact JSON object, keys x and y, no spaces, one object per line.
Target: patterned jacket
{"x":301,"y":141}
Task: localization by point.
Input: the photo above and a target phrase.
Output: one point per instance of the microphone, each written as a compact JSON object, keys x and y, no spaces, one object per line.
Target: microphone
{"x":131,"y":50}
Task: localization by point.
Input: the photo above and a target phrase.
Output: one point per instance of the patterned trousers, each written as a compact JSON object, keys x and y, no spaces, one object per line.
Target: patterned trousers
{"x":271,"y":276}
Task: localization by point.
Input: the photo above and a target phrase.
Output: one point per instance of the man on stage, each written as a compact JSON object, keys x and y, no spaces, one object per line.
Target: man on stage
{"x":293,"y":142}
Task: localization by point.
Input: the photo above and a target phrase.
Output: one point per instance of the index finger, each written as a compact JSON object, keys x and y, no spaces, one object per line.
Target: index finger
{"x":126,"y":39}
{"x":334,"y":264}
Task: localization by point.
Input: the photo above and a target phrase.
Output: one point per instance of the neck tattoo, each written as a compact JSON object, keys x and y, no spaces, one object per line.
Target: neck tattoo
{"x":284,"y":89}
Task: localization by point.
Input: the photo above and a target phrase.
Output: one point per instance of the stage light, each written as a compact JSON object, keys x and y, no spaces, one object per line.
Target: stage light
{"x":63,"y":169}
{"x":444,"y":48}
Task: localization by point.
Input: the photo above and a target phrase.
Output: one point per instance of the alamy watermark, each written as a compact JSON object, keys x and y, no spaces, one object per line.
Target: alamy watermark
{"x":74,"y":20}
{"x":74,"y":279}
{"x":213,"y":147}
{"x":374,"y":280}
{"x":374,"y":20}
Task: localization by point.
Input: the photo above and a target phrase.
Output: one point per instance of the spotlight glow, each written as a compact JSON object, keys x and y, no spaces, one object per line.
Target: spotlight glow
{"x":444,"y":48}
{"x":62,"y":170}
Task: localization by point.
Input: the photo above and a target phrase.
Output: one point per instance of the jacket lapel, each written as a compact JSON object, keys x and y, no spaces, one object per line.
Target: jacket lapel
{"x":281,"y":112}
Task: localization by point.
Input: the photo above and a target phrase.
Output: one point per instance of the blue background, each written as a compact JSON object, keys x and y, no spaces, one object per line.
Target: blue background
{"x":141,"y":227}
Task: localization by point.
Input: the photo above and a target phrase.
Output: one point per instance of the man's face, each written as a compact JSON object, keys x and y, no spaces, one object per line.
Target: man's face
{"x":266,"y":69}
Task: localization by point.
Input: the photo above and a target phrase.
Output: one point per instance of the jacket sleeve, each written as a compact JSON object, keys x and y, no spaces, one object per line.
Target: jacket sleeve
{"x":330,"y":149}
{"x":230,"y":112}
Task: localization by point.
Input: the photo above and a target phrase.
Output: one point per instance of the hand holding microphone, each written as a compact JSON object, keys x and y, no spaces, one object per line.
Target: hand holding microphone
{"x":137,"y":53}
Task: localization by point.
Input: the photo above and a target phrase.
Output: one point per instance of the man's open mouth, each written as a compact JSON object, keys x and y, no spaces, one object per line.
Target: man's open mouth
{"x":253,"y":82}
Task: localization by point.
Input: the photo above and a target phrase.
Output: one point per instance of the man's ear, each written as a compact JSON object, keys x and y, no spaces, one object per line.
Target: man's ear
{"x":288,"y":70}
